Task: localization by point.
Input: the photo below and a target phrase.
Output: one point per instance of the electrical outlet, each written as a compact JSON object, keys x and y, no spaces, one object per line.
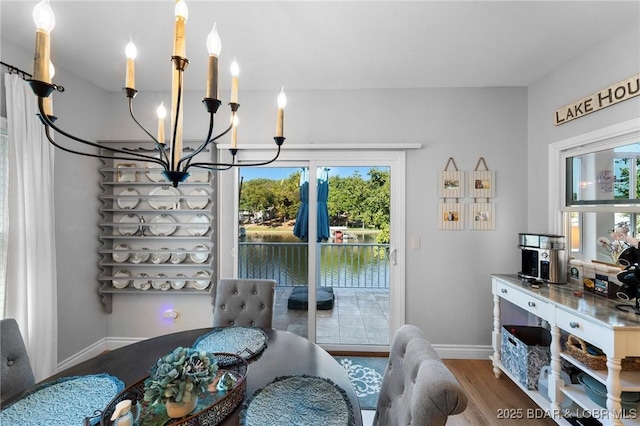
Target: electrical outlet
{"x":172,"y":314}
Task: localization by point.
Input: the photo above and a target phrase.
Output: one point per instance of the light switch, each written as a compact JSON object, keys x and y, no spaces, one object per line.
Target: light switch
{"x":415,"y":243}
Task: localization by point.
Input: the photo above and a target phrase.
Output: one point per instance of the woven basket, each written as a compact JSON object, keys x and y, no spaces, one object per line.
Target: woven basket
{"x":577,"y":348}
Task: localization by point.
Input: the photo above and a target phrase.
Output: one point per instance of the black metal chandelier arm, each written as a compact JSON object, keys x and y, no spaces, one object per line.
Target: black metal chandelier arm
{"x":47,"y":131}
{"x":159,"y":146}
{"x":216,"y":167}
{"x":189,"y":157}
{"x":227,"y":166}
{"x":48,"y":123}
{"x":260,"y":163}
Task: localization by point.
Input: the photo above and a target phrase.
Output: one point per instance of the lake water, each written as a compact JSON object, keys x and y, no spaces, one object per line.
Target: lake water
{"x":356,"y":262}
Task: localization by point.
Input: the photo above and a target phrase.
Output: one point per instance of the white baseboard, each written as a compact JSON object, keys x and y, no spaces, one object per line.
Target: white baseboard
{"x":105,"y":344}
{"x":464,"y":351}
{"x":111,"y":343}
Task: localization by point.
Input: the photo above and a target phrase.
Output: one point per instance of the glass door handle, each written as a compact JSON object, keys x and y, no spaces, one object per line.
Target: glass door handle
{"x":392,"y":256}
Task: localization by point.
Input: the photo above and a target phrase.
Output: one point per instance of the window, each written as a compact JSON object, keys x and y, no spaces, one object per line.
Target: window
{"x":601,"y":188}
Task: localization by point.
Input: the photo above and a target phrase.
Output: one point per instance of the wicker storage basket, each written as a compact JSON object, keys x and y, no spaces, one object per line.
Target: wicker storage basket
{"x":577,"y":348}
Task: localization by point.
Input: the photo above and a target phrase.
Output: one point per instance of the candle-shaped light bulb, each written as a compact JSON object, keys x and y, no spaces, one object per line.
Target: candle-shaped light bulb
{"x":235,"y":71}
{"x":43,"y":16}
{"x":162,"y":114}
{"x":179,"y":41}
{"x":181,"y":9}
{"x":282,"y":99}
{"x":45,"y":20}
{"x":131,"y":52}
{"x":234,"y":131}
{"x":282,"y":102}
{"x":214,"y":46}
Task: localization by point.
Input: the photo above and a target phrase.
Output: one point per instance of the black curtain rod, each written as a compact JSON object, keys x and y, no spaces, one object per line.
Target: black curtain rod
{"x":16,"y":70}
{"x":25,"y":75}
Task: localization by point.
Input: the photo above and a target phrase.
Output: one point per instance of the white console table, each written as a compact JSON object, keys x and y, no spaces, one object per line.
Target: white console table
{"x":591,"y":317}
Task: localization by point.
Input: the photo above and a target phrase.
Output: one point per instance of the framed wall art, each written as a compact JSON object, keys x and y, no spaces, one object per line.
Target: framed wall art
{"x":482,"y":183}
{"x":451,"y":182}
{"x":450,"y":216}
{"x":481,"y":216}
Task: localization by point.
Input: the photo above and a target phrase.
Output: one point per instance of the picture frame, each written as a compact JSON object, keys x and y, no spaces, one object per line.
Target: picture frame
{"x":451,"y":216}
{"x":482,"y":216}
{"x":451,"y":184}
{"x":482,"y":184}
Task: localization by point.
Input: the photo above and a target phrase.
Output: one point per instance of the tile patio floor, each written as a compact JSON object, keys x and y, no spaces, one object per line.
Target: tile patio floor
{"x":359,"y":317}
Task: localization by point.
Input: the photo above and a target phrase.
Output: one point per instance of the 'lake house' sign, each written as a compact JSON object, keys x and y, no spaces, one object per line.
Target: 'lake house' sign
{"x":618,"y":92}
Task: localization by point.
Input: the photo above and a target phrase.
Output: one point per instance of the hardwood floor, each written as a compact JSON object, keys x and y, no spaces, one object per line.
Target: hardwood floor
{"x":489,"y":397}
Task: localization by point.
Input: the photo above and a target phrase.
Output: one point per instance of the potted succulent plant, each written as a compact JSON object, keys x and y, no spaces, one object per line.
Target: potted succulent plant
{"x":177,"y":379}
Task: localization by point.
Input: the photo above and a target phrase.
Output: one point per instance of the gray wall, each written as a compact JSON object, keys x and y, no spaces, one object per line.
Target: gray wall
{"x":81,"y":321}
{"x":447,"y":281}
{"x":607,"y":63}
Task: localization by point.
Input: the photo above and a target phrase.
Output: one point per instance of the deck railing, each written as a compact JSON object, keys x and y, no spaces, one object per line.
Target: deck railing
{"x":341,"y":265}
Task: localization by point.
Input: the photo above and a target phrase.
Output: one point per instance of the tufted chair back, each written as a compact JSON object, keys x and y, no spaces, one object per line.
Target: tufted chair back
{"x":417,"y":388}
{"x":247,"y":302}
{"x":16,"y":374}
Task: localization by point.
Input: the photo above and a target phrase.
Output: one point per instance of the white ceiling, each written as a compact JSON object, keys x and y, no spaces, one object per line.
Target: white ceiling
{"x":326,"y":44}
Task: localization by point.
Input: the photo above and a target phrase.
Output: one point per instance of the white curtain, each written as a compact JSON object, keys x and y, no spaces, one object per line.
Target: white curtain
{"x":31,"y":296}
{"x":4,"y":208}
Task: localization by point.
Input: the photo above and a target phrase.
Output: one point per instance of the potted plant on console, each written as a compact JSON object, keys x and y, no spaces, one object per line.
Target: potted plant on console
{"x":178,"y":378}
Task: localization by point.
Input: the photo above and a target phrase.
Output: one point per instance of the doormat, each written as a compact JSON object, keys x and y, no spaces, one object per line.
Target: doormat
{"x":365,"y":374}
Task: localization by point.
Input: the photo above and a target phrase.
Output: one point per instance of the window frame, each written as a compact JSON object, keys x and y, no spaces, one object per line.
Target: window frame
{"x":620,"y":134}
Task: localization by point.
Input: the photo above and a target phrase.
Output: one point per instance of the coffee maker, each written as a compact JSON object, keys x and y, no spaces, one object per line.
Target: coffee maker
{"x":543,"y":258}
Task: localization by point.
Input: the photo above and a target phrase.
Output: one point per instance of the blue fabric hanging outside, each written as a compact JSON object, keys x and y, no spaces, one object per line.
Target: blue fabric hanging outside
{"x":301,"y":227}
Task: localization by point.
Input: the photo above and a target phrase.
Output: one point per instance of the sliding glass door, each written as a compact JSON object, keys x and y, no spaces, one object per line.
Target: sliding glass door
{"x":324,"y":230}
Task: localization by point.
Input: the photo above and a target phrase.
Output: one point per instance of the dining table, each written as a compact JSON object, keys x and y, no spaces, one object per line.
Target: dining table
{"x":286,"y":354}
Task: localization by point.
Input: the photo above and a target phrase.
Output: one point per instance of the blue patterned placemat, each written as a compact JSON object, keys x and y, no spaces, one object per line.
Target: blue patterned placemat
{"x":298,"y":401}
{"x":65,"y":402}
{"x":246,"y":342}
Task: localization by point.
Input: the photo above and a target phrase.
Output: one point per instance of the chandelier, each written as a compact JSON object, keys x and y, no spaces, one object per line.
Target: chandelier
{"x":171,"y":156}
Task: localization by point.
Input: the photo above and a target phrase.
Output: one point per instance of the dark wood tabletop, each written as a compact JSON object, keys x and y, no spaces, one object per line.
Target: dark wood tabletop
{"x":286,"y":354}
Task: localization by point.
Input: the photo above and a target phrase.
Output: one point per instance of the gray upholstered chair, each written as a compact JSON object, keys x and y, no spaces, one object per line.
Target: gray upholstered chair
{"x":417,"y":388}
{"x":16,"y":374}
{"x":247,"y":302}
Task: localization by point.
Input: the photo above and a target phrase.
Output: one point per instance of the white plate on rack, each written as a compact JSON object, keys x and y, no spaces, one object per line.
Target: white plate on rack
{"x":179,"y":282}
{"x":202,"y":280}
{"x":164,"y":197}
{"x":161,"y":282}
{"x":160,"y":256}
{"x":199,"y":225}
{"x":124,"y":175}
{"x":120,"y":253}
{"x":178,"y":256}
{"x":163,"y":225}
{"x":198,"y":176}
{"x":129,"y":225}
{"x":128,"y":199}
{"x":121,"y":279}
{"x":154,"y":175}
{"x":140,"y":257}
{"x":200,"y":200}
{"x":142,"y":282}
{"x":201,"y":256}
